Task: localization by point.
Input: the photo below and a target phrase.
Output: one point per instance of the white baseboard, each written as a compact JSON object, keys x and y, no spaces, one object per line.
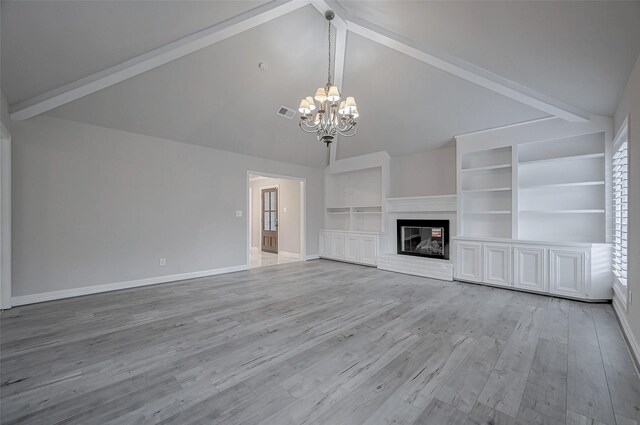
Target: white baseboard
{"x":88,"y":290}
{"x":626,"y":329}
{"x":312,"y":257}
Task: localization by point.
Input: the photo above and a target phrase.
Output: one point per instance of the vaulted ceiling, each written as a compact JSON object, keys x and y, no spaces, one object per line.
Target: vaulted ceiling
{"x":576,"y":53}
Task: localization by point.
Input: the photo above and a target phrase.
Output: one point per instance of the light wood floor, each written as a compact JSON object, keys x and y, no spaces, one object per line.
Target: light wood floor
{"x":316,"y":343}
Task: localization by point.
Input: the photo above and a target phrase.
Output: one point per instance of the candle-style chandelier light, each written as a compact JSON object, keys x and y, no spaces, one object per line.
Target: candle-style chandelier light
{"x":333,"y":116}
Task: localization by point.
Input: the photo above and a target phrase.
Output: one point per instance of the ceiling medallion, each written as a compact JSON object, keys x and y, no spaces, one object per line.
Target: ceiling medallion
{"x":333,"y":116}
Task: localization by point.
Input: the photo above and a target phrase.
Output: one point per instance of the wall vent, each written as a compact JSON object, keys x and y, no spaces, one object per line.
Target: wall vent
{"x":286,"y":112}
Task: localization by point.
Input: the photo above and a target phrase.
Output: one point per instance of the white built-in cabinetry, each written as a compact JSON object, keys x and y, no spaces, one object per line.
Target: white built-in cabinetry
{"x":354,"y":194}
{"x":577,"y":270}
{"x":533,"y":209}
{"x":354,"y":247}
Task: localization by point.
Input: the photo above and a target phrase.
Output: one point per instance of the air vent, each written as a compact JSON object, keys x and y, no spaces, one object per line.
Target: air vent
{"x":286,"y":112}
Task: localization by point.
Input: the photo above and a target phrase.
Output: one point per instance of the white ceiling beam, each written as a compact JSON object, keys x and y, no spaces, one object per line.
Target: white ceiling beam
{"x":153,"y":59}
{"x":467,"y":71}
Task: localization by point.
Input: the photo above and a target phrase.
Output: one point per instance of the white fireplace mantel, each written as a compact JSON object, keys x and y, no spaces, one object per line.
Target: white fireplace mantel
{"x":436,"y":207}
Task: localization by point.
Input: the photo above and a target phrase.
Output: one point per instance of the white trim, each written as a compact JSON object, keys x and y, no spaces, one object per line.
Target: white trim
{"x":312,"y":257}
{"x":5,"y":217}
{"x":502,"y":127}
{"x":96,"y":289}
{"x":626,"y":330}
{"x":153,"y":59}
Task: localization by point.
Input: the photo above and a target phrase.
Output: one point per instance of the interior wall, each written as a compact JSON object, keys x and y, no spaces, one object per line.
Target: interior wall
{"x":4,"y":112}
{"x":426,"y":173}
{"x":288,"y":222}
{"x":95,"y":206}
{"x":630,"y":105}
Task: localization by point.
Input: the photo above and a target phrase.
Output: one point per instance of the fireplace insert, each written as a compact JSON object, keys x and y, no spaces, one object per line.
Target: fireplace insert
{"x":424,"y":238}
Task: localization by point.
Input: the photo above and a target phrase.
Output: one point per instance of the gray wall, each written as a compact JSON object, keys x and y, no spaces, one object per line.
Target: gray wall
{"x":630,"y":105}
{"x":4,"y":112}
{"x":288,"y":222}
{"x":94,"y":205}
{"x":426,"y":173}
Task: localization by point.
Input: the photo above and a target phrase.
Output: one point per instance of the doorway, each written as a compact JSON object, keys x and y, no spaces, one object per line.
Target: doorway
{"x":275,"y":222}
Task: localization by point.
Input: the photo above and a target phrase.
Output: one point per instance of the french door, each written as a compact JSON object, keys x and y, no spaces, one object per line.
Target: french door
{"x":269,"y":220}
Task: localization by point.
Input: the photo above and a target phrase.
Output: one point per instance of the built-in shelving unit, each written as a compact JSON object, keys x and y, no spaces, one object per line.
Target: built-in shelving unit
{"x":485,"y":182}
{"x":356,"y":218}
{"x":355,"y":199}
{"x":562,"y":189}
{"x":534,"y":207}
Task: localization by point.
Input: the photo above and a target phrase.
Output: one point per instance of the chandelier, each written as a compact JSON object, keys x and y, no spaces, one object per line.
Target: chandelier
{"x":333,"y":116}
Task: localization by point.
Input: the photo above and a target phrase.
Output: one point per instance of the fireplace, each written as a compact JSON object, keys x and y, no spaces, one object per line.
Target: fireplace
{"x":424,"y":238}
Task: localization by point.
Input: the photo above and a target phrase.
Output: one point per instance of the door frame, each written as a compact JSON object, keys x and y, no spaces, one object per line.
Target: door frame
{"x":5,"y":218}
{"x":303,"y":210}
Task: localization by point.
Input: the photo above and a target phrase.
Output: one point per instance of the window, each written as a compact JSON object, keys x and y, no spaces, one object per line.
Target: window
{"x":620,"y":206}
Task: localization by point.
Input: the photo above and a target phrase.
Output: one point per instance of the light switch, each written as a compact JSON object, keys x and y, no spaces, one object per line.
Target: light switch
{"x":284,"y":209}
{"x":238,"y":213}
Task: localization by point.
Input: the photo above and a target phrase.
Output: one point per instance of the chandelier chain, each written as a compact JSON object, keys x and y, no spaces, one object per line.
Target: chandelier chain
{"x":329,"y":69}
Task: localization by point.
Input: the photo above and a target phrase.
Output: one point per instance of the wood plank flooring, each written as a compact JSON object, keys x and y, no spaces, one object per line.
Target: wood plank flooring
{"x":312,"y":343}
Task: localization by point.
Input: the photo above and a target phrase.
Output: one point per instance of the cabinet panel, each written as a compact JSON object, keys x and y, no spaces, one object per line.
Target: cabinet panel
{"x":497,"y":264}
{"x":326,"y":245}
{"x":352,"y":252}
{"x":567,"y":272}
{"x":469,"y":261}
{"x":369,"y":250}
{"x":338,"y":246}
{"x":529,"y":268}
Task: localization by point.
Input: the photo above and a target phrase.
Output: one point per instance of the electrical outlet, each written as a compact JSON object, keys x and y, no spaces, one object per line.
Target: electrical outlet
{"x":238,"y":213}
{"x":163,"y":261}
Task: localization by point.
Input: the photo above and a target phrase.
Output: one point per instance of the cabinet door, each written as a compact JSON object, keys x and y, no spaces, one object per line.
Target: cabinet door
{"x":469,"y":261}
{"x":326,"y":245}
{"x":369,"y":250}
{"x":338,"y":245}
{"x":497,"y":264}
{"x":352,"y":248}
{"x":567,"y":272}
{"x":529,"y":269}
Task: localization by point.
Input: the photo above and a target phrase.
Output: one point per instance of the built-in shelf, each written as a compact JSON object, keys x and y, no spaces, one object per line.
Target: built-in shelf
{"x":488,"y":212}
{"x":490,"y":189}
{"x":562,"y":159}
{"x":486,"y":168}
{"x":563,"y":211}
{"x":338,"y":212}
{"x":573,"y":184}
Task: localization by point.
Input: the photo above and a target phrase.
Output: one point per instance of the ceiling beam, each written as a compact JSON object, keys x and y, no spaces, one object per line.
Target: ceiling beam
{"x":153,"y":59}
{"x":467,"y":71}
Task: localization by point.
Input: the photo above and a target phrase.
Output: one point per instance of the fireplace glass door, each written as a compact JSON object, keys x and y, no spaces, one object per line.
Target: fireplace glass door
{"x":427,"y":241}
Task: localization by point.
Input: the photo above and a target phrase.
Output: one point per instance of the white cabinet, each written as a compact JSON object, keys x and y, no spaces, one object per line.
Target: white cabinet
{"x":497,"y":264}
{"x":559,"y":269}
{"x":529,"y":266}
{"x":354,"y":247}
{"x":567,"y":272}
{"x":326,"y":245}
{"x":469,"y":261}
{"x":338,"y":246}
{"x":368,"y":249}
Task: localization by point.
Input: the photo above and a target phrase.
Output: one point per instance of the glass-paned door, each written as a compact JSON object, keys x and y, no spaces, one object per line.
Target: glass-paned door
{"x":270,"y":220}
